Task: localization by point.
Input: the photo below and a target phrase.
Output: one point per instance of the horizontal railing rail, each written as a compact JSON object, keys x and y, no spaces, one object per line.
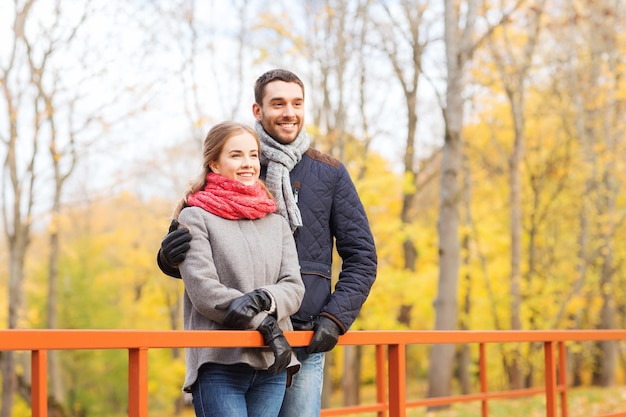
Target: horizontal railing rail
{"x":390,"y":361}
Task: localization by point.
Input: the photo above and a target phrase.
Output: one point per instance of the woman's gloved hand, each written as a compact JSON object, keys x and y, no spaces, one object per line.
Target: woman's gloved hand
{"x":242,"y":310}
{"x":274,"y":338}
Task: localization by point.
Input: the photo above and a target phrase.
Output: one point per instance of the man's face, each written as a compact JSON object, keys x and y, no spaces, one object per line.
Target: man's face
{"x":282,"y":111}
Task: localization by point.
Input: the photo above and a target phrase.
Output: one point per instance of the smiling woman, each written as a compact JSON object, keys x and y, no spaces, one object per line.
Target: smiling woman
{"x":241,"y":272}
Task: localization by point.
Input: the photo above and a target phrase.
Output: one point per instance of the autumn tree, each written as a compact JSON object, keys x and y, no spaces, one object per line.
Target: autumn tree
{"x":461,"y":38}
{"x":592,"y":83}
{"x":54,"y":117}
{"x":403,"y":42}
{"x":459,"y":44}
{"x":513,"y":66}
{"x":17,"y":192}
{"x":335,"y":41}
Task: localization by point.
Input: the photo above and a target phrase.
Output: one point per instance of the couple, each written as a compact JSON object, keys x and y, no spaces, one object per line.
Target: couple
{"x":236,"y":254}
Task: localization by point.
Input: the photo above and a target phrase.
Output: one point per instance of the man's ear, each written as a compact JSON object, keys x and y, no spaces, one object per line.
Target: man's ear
{"x":256,"y":111}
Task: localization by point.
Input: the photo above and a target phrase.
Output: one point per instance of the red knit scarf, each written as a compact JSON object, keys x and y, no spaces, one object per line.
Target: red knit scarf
{"x":231,"y":199}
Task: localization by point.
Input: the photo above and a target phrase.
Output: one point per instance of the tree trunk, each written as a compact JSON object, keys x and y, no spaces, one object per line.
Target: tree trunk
{"x":352,"y":361}
{"x":606,"y":357}
{"x":18,"y":244}
{"x":442,"y":357}
{"x":516,"y":376}
{"x":464,"y":357}
{"x":9,"y":383}
{"x":513,"y":67}
{"x":57,"y":390}
{"x":612,"y":130}
{"x":16,"y":211}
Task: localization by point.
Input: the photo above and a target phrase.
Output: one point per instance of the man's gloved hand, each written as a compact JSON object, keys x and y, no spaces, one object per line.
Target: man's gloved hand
{"x":274,"y":338}
{"x":174,"y":246}
{"x":243,"y":309}
{"x":325,"y":336}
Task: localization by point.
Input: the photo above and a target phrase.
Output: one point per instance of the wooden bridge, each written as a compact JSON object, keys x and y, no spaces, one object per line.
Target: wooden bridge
{"x":390,"y":350}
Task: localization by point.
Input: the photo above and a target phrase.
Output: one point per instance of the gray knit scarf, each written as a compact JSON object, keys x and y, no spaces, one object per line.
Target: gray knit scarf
{"x":280,"y":159}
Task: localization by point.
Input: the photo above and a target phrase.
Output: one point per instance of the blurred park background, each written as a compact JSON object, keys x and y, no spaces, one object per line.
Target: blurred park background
{"x":486,"y":139}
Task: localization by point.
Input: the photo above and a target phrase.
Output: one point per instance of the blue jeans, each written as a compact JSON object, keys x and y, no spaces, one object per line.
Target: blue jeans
{"x":304,"y":397}
{"x":237,"y":391}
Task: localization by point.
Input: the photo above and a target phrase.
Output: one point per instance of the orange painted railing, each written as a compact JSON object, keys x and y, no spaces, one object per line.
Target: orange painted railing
{"x":391,"y":382}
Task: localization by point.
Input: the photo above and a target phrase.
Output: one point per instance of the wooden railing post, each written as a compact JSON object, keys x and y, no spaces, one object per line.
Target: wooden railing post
{"x":39,"y":383}
{"x":550,"y":370}
{"x":138,"y":382}
{"x":397,"y":380}
{"x":482,"y":372}
{"x":381,"y":378}
{"x":563,"y":377}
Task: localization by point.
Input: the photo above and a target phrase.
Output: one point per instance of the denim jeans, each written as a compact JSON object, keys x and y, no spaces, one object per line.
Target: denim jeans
{"x":304,"y":397}
{"x":237,"y":391}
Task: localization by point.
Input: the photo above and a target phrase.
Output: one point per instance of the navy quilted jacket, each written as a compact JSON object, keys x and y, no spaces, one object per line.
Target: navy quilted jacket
{"x":332,"y":213}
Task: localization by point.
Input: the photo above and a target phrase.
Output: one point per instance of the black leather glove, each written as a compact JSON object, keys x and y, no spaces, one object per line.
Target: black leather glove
{"x":277,"y":342}
{"x":243,"y":309}
{"x":174,"y":247}
{"x":325,"y":336}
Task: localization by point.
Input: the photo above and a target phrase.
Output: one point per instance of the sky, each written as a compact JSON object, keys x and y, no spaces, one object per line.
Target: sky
{"x":127,"y":58}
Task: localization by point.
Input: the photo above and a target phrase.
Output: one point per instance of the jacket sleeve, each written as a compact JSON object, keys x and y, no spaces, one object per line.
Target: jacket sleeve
{"x":356,"y":247}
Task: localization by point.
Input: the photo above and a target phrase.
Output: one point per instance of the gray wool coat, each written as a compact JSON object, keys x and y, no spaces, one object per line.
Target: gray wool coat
{"x":229,"y":258}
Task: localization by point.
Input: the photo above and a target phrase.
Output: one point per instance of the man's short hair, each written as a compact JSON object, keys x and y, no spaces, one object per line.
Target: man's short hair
{"x":274,"y":75}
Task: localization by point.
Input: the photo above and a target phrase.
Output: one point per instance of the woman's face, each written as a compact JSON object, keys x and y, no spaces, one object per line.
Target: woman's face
{"x":239,"y":159}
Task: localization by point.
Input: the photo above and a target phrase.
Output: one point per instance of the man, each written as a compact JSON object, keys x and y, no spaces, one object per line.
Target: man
{"x":315,"y":193}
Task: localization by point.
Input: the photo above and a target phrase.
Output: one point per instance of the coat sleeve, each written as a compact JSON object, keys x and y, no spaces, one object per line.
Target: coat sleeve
{"x":288,"y":290}
{"x":356,"y":247}
{"x":198,"y":270}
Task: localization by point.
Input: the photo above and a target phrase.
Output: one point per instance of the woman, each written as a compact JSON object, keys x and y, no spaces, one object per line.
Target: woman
{"x":241,"y":272}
